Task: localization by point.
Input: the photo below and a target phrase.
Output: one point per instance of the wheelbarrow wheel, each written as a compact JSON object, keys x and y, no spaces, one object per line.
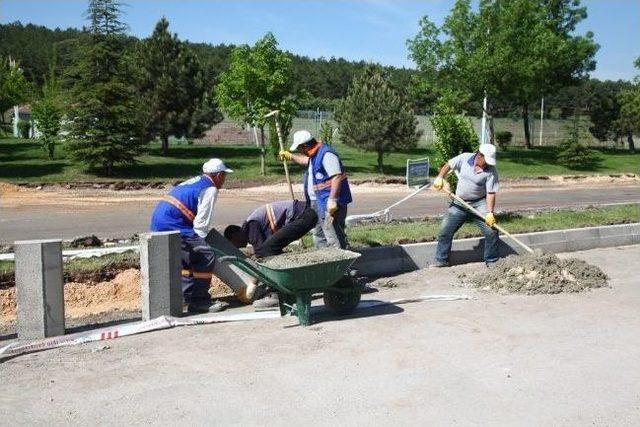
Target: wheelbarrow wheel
{"x":344,"y":300}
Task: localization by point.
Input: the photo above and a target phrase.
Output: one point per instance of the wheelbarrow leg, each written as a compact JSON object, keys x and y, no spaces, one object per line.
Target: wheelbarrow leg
{"x":303,"y":307}
{"x":285,"y":302}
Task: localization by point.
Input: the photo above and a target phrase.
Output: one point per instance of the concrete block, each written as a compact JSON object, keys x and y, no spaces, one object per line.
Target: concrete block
{"x":160,"y":271}
{"x":231,"y":275}
{"x":40,"y":288}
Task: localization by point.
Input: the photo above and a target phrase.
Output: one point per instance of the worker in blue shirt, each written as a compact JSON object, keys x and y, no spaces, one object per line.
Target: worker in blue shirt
{"x":188,"y":208}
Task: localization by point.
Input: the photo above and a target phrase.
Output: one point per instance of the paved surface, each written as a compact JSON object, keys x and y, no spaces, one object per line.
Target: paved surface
{"x":494,"y":360}
{"x":107,"y":216}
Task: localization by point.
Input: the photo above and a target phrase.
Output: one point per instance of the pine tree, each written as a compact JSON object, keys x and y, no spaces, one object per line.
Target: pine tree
{"x":375,"y":117}
{"x":105,"y":117}
{"x":175,"y":88}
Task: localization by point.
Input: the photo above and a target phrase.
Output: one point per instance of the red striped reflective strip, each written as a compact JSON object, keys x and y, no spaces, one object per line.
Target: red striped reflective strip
{"x":327,"y":183}
{"x":180,"y":206}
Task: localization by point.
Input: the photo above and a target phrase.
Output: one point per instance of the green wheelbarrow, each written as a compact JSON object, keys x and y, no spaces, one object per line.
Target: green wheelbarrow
{"x":296,"y":285}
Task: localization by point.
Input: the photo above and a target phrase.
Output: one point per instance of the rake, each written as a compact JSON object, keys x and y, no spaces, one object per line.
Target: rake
{"x":383,"y":215}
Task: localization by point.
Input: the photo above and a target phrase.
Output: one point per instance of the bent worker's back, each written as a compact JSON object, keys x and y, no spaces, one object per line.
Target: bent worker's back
{"x":177,"y":210}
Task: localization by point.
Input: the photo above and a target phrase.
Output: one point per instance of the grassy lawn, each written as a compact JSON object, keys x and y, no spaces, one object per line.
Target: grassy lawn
{"x":24,"y":161}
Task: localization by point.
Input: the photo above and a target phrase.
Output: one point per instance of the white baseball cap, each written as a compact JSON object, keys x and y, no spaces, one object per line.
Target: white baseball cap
{"x":215,"y":166}
{"x":489,"y":152}
{"x":300,"y":137}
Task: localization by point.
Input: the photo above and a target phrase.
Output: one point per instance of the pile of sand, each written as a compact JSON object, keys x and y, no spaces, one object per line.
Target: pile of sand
{"x":538,"y":273}
{"x":302,"y":259}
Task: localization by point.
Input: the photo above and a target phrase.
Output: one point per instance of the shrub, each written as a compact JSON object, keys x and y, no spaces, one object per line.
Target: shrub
{"x":573,"y":154}
{"x":326,"y":133}
{"x":454,"y":133}
{"x":503,"y":138}
{"x":23,"y":128}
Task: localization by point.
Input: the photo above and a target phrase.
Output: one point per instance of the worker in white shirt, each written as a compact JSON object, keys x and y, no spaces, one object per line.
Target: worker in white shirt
{"x":188,"y":208}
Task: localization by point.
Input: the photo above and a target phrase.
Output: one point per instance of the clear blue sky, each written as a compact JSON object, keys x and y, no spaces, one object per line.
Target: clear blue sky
{"x":372,"y":30}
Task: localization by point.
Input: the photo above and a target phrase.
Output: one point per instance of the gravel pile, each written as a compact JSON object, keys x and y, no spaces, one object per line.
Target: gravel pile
{"x":302,"y":259}
{"x":538,"y":273}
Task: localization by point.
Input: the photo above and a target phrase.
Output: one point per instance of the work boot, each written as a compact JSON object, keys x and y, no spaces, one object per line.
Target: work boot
{"x":269,"y":301}
{"x":439,"y":264}
{"x":207,"y":307}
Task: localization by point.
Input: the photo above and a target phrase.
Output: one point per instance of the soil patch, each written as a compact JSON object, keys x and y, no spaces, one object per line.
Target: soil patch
{"x":86,"y":298}
{"x":538,"y":273}
{"x":303,"y":259}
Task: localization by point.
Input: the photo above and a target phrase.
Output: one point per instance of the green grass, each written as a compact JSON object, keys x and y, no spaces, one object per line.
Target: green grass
{"x":25,"y":161}
{"x":427,"y":231}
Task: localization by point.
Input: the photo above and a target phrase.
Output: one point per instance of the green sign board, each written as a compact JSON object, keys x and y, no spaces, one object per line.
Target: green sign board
{"x":417,"y":172}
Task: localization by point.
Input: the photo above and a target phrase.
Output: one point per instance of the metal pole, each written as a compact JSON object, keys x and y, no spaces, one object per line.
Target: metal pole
{"x":484,"y":119}
{"x":541,"y":119}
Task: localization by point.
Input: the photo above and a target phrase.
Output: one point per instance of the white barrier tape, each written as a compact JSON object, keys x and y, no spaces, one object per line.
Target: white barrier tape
{"x":112,"y":332}
{"x":166,"y":322}
{"x":84,"y":253}
{"x":370,"y":304}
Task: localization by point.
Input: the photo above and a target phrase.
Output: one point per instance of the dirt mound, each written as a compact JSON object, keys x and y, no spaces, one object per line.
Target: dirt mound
{"x":538,"y":273}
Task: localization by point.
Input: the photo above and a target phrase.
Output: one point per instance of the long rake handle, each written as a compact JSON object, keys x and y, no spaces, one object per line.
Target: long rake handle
{"x":496,"y":226}
{"x":284,"y":162}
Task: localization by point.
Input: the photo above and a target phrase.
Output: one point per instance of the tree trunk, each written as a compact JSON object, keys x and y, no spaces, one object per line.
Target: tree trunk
{"x":380,"y":165}
{"x":263,"y":153}
{"x":51,"y":147}
{"x":165,"y":145}
{"x":525,"y":121}
{"x":632,"y":146}
{"x":109,"y":168}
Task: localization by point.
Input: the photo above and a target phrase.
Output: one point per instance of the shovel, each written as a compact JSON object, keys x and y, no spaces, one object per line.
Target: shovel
{"x":496,"y":226}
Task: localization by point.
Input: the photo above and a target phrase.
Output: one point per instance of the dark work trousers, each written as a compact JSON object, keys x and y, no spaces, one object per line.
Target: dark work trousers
{"x":287,"y":234}
{"x":197,"y":266}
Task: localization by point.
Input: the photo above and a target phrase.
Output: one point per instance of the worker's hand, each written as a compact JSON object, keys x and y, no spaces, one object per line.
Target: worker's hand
{"x":438,"y":183}
{"x":332,"y":206}
{"x":490,"y":219}
{"x":284,"y":155}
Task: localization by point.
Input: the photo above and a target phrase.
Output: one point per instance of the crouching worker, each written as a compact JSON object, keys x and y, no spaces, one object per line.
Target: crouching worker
{"x":271,"y":227}
{"x":188,"y":208}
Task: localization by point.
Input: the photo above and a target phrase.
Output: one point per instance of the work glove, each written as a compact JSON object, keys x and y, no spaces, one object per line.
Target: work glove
{"x":490,"y":219}
{"x":438,"y":183}
{"x":284,"y":155}
{"x":332,"y":206}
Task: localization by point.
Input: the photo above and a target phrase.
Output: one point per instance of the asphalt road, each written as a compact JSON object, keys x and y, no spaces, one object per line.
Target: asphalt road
{"x":122,"y":218}
{"x":498,"y":360}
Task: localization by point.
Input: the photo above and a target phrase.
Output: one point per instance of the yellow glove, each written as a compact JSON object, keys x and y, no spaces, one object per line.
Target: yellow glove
{"x":438,"y":183}
{"x":490,"y":219}
{"x":332,"y":206}
{"x":284,"y":155}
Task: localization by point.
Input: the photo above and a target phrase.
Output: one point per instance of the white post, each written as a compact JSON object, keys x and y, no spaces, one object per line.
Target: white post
{"x":484,"y":120}
{"x":16,"y":117}
{"x":541,"y":119}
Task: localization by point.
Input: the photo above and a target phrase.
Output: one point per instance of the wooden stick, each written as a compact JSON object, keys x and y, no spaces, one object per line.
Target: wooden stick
{"x":284,"y":162}
{"x":496,"y":226}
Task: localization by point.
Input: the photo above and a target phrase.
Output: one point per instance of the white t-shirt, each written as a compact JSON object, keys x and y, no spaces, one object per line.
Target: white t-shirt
{"x":331,"y":164}
{"x":203,"y":222}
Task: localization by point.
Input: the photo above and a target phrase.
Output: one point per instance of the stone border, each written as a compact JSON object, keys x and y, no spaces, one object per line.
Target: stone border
{"x":389,"y":260}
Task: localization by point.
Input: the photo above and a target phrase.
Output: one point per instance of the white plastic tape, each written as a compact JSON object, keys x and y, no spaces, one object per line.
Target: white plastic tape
{"x":112,"y":332}
{"x":166,"y":322}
